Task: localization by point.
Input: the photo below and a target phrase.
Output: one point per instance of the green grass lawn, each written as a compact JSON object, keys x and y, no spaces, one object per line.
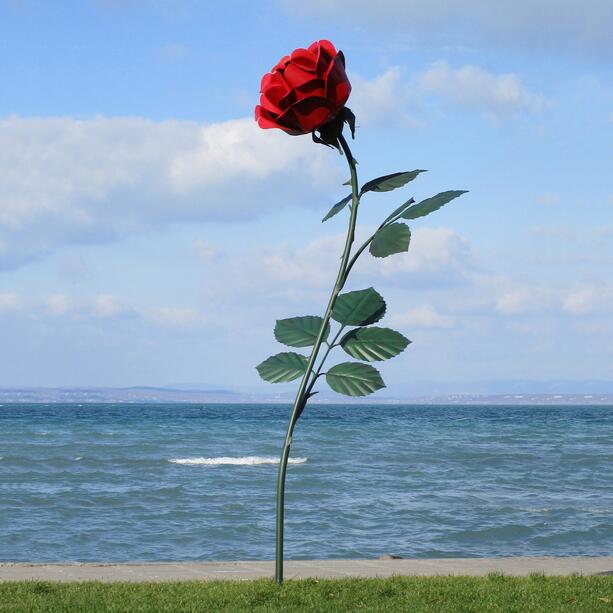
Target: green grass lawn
{"x":411,"y":594}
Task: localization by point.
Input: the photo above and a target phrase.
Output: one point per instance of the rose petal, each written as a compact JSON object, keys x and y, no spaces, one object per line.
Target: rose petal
{"x":337,"y":83}
{"x":266,"y":81}
{"x":264,"y":119}
{"x":311,"y":113}
{"x":325,"y":53}
{"x":341,"y":93}
{"x":273,"y":79}
{"x":282,"y":63}
{"x":338,"y":66}
{"x":289,"y":123}
{"x":326,"y":44}
{"x":328,"y":47}
{"x":315,"y":88}
{"x":266,"y":124}
{"x":341,"y":56}
{"x":296,"y":76}
{"x":265,"y":103}
{"x":288,"y":99}
{"x":304,"y":59}
{"x":271,"y":99}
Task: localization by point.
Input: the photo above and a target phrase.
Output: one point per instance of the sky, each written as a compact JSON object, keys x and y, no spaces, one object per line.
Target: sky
{"x":151,"y":233}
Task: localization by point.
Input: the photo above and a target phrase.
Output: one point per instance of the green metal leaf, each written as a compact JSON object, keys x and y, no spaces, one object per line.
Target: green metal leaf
{"x":389,"y":182}
{"x":337,"y":208}
{"x":282,"y":367}
{"x":390,"y":239}
{"x":374,"y":344}
{"x":400,"y":209}
{"x":429,"y":205}
{"x":354,"y":379}
{"x":359,"y":308}
{"x":300,"y":331}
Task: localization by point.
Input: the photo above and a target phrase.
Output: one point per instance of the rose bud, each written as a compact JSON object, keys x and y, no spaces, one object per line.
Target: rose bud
{"x":306,"y":91}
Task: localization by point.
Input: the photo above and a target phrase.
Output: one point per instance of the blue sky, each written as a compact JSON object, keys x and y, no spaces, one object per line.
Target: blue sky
{"x":151,"y":234}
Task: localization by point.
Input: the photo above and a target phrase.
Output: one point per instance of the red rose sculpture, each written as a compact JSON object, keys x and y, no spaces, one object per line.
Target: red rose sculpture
{"x":304,"y":91}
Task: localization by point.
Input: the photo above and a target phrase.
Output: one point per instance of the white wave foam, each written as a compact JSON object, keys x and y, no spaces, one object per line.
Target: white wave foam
{"x":250,"y":460}
{"x":537,"y":509}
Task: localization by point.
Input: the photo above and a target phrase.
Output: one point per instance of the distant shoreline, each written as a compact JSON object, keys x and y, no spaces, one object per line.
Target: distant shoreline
{"x":152,"y":395}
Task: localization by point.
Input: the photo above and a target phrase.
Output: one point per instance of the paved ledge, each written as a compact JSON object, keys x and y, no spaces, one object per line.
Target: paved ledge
{"x":299,"y":569}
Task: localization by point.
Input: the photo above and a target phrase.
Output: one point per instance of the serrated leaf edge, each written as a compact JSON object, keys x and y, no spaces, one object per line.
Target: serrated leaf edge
{"x":371,"y":186}
{"x":386,"y":229}
{"x":365,"y":391}
{"x":318,"y":317}
{"x":369,"y":321}
{"x":356,"y":331}
{"x":276,"y":355}
{"x":337,"y":208}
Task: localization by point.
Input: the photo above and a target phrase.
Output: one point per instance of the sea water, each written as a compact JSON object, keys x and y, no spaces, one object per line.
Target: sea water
{"x":112,"y":482}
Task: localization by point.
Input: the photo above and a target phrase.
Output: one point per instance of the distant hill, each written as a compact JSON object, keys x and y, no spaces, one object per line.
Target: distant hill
{"x":543,"y":394}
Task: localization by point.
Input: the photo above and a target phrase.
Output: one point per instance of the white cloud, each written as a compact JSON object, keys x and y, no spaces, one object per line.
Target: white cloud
{"x":473,"y":87}
{"x":564,"y":233}
{"x":175,"y":317}
{"x":98,"y":307}
{"x":386,"y":99}
{"x":423,"y":317}
{"x":579,"y":301}
{"x":108,"y":305}
{"x":571,"y":26}
{"x":238,"y":149}
{"x":59,"y":304}
{"x":588,"y":299}
{"x":284,"y":272}
{"x":9,"y":301}
{"x":513,"y":297}
{"x":244,"y":292}
{"x":516,"y":301}
{"x":437,"y":257}
{"x":74,"y":181}
{"x":392,"y":98}
{"x":207,"y":252}
{"x":604,"y":231}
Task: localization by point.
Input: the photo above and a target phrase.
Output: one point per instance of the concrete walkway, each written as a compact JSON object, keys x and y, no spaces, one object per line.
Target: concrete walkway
{"x":299,"y":569}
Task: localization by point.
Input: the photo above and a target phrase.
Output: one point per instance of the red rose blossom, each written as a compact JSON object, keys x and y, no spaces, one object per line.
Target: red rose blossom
{"x":305,"y":90}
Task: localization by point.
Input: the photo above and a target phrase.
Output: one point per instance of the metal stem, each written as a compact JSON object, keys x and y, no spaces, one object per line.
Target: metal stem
{"x":303,"y":392}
